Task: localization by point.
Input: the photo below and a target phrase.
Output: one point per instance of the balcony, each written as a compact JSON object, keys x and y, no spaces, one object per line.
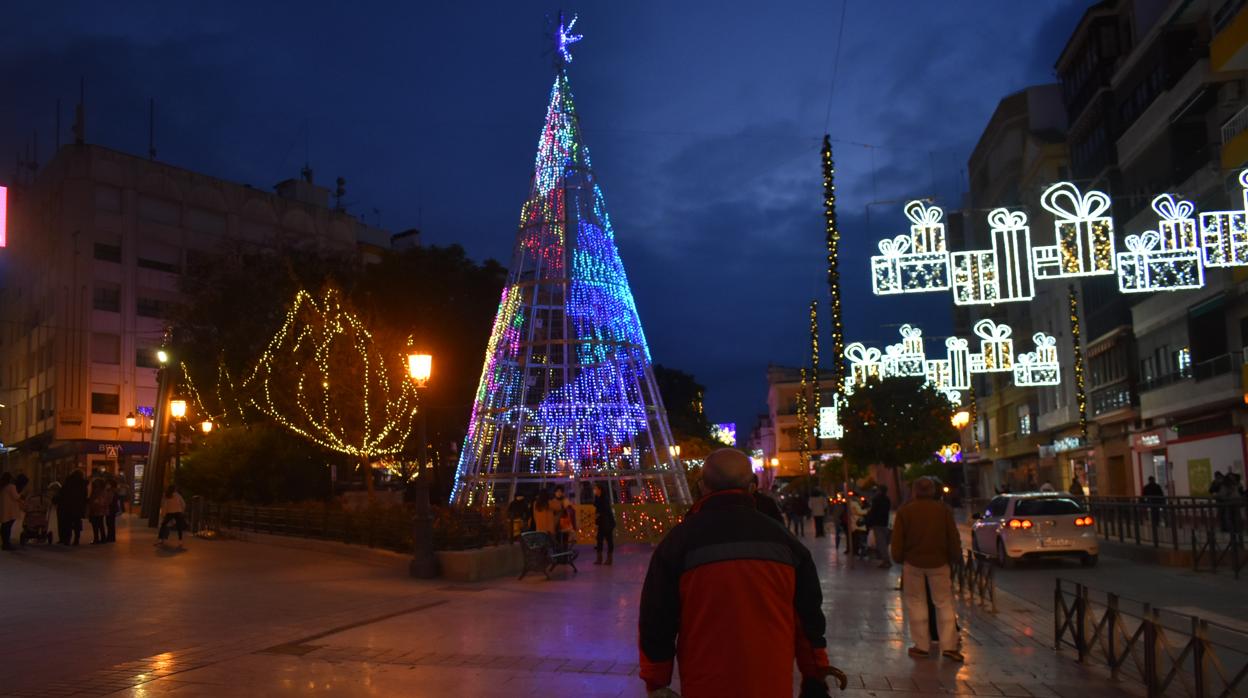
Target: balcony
{"x":1203,"y":384}
{"x":1229,"y":48}
{"x":1235,"y":140}
{"x":1155,"y":120}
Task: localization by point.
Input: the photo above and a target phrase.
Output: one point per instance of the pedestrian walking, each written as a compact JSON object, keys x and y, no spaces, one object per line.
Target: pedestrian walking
{"x":732,"y":599}
{"x":604,"y":519}
{"x":858,"y":526}
{"x":10,"y":508}
{"x":764,"y":502}
{"x":98,"y":504}
{"x":837,"y":514}
{"x":71,"y":506}
{"x":818,"y":504}
{"x":877,"y":523}
{"x":172,"y":511}
{"x":1155,"y":497}
{"x":926,"y":543}
{"x":114,"y":508}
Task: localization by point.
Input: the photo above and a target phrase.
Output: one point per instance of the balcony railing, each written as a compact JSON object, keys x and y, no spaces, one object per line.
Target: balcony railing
{"x":1235,"y":125}
{"x":1224,"y":14}
{"x":1204,"y":370}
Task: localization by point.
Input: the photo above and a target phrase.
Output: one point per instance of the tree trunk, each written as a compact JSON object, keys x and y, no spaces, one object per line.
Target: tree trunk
{"x":367,"y":471}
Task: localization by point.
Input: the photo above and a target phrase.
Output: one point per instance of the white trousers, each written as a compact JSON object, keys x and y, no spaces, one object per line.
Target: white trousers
{"x":941,"y":584}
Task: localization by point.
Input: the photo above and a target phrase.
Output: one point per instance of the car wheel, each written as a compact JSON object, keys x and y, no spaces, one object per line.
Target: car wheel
{"x":1089,"y":560}
{"x":1002,"y":559}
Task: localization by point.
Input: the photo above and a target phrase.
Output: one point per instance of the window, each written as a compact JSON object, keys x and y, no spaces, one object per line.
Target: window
{"x":145,"y":357}
{"x":107,"y":298}
{"x":1183,"y":360}
{"x":1024,"y":420}
{"x":151,"y":307}
{"x":997,"y":506}
{"x":158,"y":210}
{"x":105,"y":403}
{"x":107,"y":253}
{"x":1047,"y":506}
{"x":105,"y":348}
{"x":158,"y":265}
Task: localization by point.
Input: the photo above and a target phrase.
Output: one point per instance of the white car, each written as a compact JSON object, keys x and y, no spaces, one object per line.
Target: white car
{"x":1031,"y":525}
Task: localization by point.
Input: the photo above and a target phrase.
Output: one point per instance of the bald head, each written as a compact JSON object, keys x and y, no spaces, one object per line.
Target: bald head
{"x":924,"y":488}
{"x":727,"y":469}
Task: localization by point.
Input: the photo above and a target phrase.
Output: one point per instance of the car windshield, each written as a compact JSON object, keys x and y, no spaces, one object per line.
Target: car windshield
{"x":1049,"y":506}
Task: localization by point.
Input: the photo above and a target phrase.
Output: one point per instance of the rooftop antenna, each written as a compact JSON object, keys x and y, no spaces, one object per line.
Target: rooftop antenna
{"x":306,"y":172}
{"x":151,"y":128}
{"x":58,"y":124}
{"x":80,"y":113}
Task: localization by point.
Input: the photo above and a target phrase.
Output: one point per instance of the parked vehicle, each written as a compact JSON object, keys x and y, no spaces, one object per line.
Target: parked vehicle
{"x":1033,"y":525}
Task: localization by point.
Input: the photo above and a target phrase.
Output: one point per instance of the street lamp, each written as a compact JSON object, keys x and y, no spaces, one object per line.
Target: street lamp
{"x":162,"y":356}
{"x":177,"y":408}
{"x":775,"y":462}
{"x":424,"y":564}
{"x":960,"y":419}
{"x":206,"y":426}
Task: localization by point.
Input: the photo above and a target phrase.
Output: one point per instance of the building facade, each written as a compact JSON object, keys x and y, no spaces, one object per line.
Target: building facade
{"x":97,"y":243}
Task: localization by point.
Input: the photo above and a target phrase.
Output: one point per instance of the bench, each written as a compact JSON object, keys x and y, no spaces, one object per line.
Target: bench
{"x":540,"y":554}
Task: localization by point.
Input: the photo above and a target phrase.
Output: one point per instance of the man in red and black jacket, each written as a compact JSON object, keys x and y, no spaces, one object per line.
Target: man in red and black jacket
{"x":733,"y":597}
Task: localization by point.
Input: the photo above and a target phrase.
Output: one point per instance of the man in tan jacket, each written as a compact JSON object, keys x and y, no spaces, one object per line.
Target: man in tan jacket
{"x":925,"y":542}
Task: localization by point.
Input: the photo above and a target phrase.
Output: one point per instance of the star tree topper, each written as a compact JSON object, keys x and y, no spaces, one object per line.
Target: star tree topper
{"x":564,"y":38}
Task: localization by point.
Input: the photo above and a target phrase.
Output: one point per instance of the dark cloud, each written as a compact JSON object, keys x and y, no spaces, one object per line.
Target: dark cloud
{"x":704,"y":120}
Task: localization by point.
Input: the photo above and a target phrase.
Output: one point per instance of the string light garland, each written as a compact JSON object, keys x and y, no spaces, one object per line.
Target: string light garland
{"x":567,"y":389}
{"x":1080,"y":396}
{"x":833,"y":235}
{"x":815,"y":411}
{"x":803,"y":425}
{"x":323,"y":377}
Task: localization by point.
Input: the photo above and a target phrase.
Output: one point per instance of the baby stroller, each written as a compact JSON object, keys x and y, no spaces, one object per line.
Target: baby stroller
{"x":35,"y":523}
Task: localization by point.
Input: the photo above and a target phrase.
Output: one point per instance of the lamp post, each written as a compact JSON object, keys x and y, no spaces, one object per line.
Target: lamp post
{"x":424,"y":564}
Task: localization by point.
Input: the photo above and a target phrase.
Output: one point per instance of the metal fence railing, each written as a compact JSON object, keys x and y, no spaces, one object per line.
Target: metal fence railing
{"x":1212,"y":530}
{"x":1168,"y":652}
{"x":975,"y":577}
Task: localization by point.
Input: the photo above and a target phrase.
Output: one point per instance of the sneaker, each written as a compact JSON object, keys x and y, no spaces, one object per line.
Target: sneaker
{"x":917,"y":653}
{"x":953,"y":655}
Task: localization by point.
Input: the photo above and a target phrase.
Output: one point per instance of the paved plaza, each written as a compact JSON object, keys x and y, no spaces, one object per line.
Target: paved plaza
{"x":235,"y":618}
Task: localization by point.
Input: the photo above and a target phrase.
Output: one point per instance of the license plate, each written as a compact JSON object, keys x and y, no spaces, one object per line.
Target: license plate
{"x":1055,"y":542}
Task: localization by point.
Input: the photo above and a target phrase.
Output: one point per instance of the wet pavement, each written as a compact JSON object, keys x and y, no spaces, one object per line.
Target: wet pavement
{"x":232,"y":618}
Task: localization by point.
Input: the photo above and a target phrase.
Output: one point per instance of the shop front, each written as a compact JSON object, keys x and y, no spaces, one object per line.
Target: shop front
{"x":1195,"y":459}
{"x":1149,"y":451}
{"x":1069,"y":456}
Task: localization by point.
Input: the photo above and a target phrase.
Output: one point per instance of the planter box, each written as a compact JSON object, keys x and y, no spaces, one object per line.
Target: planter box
{"x":480,"y":563}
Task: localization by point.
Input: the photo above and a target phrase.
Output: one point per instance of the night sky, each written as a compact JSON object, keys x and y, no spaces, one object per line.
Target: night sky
{"x":704,"y":122}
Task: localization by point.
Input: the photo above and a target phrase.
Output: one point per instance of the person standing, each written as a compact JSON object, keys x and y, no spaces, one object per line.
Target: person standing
{"x":114,"y":508}
{"x":764,"y":502}
{"x":1076,"y":487}
{"x":857,"y":526}
{"x":818,"y":504}
{"x":172,"y":511}
{"x":10,"y":508}
{"x":1154,"y":497}
{"x":98,"y":505}
{"x":71,"y":506}
{"x":732,"y":598}
{"x":877,"y":523}
{"x":545,"y":519}
{"x":926,"y":542}
{"x":604,"y":519}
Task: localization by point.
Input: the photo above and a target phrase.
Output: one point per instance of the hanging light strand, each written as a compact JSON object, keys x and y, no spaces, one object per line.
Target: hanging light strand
{"x":1080,"y":395}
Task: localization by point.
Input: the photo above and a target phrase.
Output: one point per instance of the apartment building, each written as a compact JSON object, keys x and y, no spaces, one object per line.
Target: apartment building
{"x":778,"y":434}
{"x":97,"y":242}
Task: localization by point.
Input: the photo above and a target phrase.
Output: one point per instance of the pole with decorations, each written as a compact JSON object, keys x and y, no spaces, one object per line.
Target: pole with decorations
{"x":567,"y":391}
{"x":811,"y":426}
{"x":1081,"y":397}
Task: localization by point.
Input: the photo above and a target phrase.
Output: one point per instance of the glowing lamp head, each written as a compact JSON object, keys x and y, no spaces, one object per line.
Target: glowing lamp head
{"x":420,"y":368}
{"x":960,"y":419}
{"x":162,"y":356}
{"x":177,"y":408}
{"x":775,"y":462}
{"x":131,"y":420}
{"x":206,"y":426}
{"x":674,"y":450}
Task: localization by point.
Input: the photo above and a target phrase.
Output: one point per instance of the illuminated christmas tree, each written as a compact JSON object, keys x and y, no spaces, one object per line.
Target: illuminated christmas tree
{"x":567,"y":394}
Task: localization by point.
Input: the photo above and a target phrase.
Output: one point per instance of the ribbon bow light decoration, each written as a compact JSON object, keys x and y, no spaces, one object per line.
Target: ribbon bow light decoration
{"x":927,"y":233}
{"x":894,"y":247}
{"x":1143,"y":243}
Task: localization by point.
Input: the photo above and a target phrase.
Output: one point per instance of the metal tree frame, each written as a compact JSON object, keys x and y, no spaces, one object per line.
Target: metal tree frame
{"x":567,"y":392}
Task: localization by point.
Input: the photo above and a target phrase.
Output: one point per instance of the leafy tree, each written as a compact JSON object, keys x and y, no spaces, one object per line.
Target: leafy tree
{"x":260,"y":463}
{"x":895,"y":423}
{"x":682,"y":397}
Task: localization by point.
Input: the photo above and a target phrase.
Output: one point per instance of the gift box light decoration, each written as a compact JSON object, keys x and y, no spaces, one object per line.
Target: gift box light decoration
{"x":830,"y":420}
{"x":1224,"y":234}
{"x":906,"y":358}
{"x":567,"y":388}
{"x":1039,"y":367}
{"x":952,"y":374}
{"x":1171,"y":258}
{"x":1085,"y":234}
